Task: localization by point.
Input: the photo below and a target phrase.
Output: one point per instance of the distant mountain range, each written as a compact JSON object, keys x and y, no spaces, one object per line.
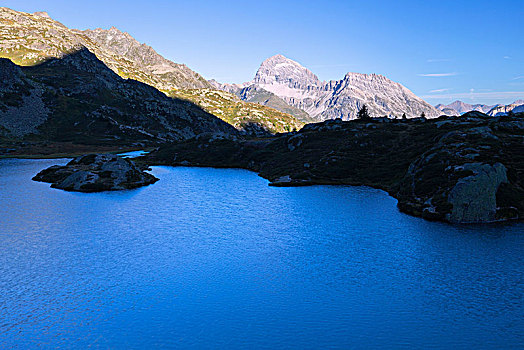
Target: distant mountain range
{"x":31,"y":39}
{"x":459,"y":108}
{"x":515,"y":107}
{"x":280,"y":79}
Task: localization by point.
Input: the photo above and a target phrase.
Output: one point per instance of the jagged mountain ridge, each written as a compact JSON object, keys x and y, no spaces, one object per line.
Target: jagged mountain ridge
{"x":28,"y":39}
{"x":171,"y":75}
{"x":302,"y":89}
{"x":458,"y":108}
{"x":515,"y":107}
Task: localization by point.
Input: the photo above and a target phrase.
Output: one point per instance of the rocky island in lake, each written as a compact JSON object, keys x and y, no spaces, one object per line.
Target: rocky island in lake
{"x":96,"y":173}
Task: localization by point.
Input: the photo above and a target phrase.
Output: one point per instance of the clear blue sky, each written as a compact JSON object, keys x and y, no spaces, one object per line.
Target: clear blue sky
{"x":441,"y":50}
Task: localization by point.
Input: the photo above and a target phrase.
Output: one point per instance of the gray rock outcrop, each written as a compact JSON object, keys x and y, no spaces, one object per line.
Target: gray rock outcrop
{"x":96,"y":173}
{"x":474,"y":198}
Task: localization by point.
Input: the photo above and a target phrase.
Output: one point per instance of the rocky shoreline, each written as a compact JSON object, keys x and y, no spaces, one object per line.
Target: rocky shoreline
{"x":467,"y":169}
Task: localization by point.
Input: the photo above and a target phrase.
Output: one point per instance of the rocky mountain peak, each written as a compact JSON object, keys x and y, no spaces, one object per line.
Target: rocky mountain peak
{"x":116,"y":33}
{"x":282,"y":70}
{"x":30,"y":39}
{"x":458,"y":104}
{"x":113,"y":38}
{"x":299,"y":88}
{"x":499,"y":110}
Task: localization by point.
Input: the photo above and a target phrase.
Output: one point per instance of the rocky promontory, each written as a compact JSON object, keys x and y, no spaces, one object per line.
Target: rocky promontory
{"x":96,"y":173}
{"x":464,"y":169}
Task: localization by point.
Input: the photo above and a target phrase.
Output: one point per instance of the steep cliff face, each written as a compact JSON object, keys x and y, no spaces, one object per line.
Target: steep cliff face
{"x":381,"y":95}
{"x":301,"y":89}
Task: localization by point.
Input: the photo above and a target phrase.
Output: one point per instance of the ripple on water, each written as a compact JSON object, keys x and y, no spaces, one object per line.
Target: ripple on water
{"x":216,"y":258}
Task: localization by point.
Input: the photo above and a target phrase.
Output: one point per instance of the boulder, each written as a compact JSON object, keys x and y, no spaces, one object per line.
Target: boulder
{"x":474,"y":198}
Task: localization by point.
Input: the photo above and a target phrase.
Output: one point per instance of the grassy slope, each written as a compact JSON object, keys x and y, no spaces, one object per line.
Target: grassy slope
{"x":232,"y":110}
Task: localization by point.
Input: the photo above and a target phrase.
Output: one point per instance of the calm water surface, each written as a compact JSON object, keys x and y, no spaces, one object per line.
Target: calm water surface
{"x":209,"y":258}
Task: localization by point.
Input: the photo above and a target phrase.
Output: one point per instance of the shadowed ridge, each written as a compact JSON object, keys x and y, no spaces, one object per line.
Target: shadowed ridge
{"x":29,"y":38}
{"x":88,"y":103}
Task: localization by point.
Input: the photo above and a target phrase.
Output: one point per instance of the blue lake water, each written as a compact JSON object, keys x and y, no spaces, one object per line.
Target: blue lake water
{"x":215,"y":258}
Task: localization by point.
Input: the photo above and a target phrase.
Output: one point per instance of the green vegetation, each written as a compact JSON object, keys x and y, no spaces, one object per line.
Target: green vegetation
{"x":41,"y":39}
{"x":242,"y":115}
